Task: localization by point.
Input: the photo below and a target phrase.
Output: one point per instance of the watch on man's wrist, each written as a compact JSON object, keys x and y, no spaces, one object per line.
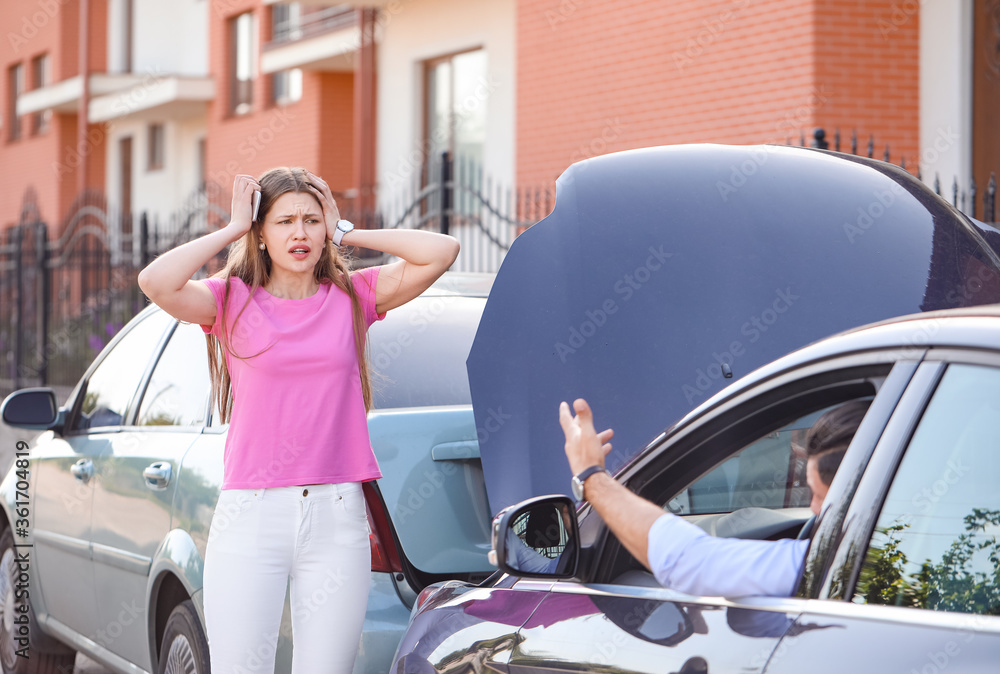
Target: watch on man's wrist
{"x":343,"y":227}
{"x":581,"y":477}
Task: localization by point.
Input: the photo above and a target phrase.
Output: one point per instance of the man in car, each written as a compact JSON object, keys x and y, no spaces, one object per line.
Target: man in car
{"x":681,"y":555}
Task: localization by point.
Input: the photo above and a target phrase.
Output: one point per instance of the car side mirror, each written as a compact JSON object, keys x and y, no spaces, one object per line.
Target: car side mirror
{"x":537,"y":538}
{"x":31,"y":408}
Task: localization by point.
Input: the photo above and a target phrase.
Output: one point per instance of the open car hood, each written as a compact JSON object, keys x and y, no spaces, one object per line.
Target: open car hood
{"x":660,"y":267}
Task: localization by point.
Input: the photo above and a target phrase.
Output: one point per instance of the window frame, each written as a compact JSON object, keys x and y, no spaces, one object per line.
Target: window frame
{"x":288,"y":97}
{"x":874,"y":487}
{"x":156,"y":146}
{"x":148,"y":378}
{"x":680,"y":456}
{"x":80,"y":391}
{"x":15,"y":87}
{"x":241,"y":91}
{"x":41,"y":65}
{"x":428,"y":67}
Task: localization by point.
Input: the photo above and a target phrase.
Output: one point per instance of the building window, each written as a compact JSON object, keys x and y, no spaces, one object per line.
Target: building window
{"x":456,"y":93}
{"x":242,"y":33}
{"x":155,"y":148}
{"x":40,"y":78}
{"x":287,"y":86}
{"x":285,"y":22}
{"x":127,"y":13}
{"x":15,"y":87}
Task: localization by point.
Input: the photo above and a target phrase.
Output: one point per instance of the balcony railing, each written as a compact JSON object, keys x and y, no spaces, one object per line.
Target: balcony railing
{"x":295,"y":22}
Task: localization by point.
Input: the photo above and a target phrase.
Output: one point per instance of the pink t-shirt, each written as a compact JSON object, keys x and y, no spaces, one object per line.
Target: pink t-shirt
{"x":298,"y":413}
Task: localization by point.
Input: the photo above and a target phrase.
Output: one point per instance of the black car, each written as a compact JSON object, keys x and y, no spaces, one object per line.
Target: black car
{"x":903,"y":570}
{"x":662,"y":276}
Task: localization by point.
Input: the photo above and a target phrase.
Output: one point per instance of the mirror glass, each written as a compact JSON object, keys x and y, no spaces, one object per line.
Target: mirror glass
{"x":536,"y":540}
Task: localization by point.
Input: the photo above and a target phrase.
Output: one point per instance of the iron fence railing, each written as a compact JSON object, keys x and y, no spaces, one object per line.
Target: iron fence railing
{"x":293,"y":21}
{"x":963,"y":197}
{"x":63,"y":297}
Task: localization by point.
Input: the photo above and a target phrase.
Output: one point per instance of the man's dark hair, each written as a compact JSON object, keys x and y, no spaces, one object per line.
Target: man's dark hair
{"x":828,"y":438}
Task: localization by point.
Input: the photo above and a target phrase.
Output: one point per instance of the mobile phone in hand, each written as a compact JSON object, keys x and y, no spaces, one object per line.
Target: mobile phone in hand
{"x":256,"y":205}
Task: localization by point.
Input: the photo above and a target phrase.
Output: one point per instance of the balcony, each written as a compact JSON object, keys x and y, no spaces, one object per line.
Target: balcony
{"x":312,"y":38}
{"x":162,"y":96}
{"x":114,"y":96}
{"x":64,"y":96}
{"x":331,"y":3}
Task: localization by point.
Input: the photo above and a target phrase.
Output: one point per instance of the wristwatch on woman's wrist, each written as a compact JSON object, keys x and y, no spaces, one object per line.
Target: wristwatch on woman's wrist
{"x":343,"y":227}
{"x":581,"y":477}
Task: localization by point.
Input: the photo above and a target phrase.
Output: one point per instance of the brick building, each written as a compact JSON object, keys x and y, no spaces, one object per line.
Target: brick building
{"x":195,"y":91}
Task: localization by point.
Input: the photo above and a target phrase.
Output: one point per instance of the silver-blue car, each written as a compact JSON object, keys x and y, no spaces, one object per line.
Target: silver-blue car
{"x":105,"y":517}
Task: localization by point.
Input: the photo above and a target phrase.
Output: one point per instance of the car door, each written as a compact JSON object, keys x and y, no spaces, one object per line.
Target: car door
{"x":134,"y":486}
{"x":64,"y":470}
{"x":734,"y":474}
{"x":915,"y":583}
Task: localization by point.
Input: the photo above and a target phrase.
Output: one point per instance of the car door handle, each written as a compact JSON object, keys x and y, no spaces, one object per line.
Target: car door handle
{"x":157,"y":475}
{"x":83,"y":470}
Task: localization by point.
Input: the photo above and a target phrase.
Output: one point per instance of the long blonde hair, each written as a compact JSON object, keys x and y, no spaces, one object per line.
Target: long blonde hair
{"x":252,"y":265}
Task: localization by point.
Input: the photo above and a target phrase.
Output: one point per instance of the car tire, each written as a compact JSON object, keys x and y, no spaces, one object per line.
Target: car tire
{"x":184,"y":649}
{"x":45,"y":654}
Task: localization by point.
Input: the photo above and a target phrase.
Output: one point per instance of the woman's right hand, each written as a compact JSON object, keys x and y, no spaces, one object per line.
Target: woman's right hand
{"x":242,"y":207}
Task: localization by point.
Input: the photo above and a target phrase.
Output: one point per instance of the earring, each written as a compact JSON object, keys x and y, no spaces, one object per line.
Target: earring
{"x":262,"y":245}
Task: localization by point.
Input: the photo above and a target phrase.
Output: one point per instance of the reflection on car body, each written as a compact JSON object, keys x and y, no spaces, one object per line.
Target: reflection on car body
{"x":125,"y":483}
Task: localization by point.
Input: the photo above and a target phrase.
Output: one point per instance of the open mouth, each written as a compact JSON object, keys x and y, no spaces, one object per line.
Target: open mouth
{"x":299,"y":251}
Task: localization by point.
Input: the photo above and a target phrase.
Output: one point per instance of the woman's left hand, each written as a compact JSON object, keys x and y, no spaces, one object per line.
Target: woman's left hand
{"x":331,"y":214}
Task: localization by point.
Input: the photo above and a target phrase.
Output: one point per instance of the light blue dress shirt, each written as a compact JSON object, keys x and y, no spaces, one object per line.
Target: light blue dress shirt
{"x":685,"y":558}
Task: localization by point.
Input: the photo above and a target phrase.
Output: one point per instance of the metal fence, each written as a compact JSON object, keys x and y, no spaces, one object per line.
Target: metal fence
{"x":63,"y":299}
{"x":455,"y":197}
{"x":963,"y":197}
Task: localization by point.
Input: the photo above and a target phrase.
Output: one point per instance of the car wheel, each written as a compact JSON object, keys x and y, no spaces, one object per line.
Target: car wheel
{"x":184,"y":649}
{"x":54,"y":660}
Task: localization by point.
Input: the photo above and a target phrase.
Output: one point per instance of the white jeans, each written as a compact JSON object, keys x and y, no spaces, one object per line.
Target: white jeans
{"x":318,"y":536}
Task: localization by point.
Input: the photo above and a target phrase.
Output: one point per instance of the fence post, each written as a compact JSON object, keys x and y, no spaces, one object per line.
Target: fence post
{"x":819,"y":139}
{"x":41,"y":257}
{"x":17,"y":233}
{"x":989,"y":209}
{"x":144,"y":253}
{"x":446,"y":193}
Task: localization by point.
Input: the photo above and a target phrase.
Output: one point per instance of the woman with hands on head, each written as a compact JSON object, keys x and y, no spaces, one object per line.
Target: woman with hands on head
{"x":286,"y":320}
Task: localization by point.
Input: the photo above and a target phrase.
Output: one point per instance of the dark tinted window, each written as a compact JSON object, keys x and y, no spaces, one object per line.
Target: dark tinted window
{"x":177,"y":393}
{"x":113,"y":384}
{"x":935,"y":544}
{"x":418,"y":352}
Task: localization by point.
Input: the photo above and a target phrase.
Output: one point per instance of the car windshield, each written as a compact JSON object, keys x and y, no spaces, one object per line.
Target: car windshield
{"x":418,"y":352}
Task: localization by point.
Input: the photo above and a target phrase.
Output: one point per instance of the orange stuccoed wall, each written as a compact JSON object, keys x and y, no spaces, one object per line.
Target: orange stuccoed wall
{"x":600,"y":77}
{"x":315,"y":132}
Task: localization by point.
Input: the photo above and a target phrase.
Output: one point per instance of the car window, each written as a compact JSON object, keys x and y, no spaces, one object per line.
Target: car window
{"x":177,"y":392}
{"x":418,"y":352}
{"x":935,"y":543}
{"x":111,"y":386}
{"x":767,"y":473}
